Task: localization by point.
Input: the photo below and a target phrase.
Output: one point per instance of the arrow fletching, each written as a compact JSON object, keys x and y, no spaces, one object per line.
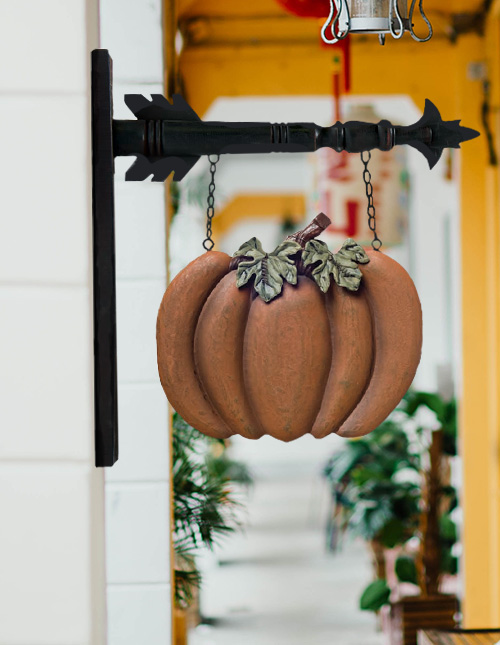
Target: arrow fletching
{"x":157,"y":109}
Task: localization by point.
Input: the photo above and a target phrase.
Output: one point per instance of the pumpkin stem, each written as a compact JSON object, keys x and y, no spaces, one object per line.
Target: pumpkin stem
{"x":312,"y":230}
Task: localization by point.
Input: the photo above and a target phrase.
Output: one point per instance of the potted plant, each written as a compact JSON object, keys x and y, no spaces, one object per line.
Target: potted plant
{"x":370,"y":498}
{"x":437,"y":531}
{"x":204,"y":508}
{"x":396,"y":493}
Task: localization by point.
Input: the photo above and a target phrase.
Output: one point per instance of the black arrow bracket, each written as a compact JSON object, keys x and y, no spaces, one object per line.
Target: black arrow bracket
{"x":168,"y":138}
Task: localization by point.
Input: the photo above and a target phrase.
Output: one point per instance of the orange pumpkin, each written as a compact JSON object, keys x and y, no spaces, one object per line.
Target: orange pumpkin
{"x":289,"y":351}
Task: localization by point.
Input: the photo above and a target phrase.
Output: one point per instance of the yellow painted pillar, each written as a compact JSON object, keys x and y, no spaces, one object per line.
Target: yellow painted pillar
{"x":170,"y":86}
{"x":479,"y":412}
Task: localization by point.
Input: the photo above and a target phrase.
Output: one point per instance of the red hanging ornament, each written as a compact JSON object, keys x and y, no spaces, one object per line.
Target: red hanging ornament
{"x":306,"y":8}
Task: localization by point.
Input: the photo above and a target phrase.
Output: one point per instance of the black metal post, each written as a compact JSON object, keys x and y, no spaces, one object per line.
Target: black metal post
{"x":103,"y":223}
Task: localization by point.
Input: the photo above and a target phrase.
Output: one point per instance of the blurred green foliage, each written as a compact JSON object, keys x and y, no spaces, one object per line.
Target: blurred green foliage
{"x":377,"y":484}
{"x":203,"y":498}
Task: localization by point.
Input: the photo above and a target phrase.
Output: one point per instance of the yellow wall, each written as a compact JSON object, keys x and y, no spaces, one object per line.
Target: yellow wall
{"x":478,"y":425}
{"x":481,"y":326}
{"x":225,"y":61}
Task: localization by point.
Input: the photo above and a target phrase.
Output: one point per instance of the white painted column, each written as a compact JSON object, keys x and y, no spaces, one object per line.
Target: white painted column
{"x":137,"y":486}
{"x":52,"y":586}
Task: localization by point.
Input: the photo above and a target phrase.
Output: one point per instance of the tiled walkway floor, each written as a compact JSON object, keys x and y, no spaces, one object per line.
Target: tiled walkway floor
{"x":276,"y":584}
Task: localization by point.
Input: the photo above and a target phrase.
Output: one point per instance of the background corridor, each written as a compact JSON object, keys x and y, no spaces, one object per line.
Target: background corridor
{"x":275,"y":584}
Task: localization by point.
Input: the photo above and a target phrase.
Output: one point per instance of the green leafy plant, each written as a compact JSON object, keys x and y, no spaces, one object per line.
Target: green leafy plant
{"x":445,"y":411}
{"x":370,"y":499}
{"x":375,"y":596}
{"x":437,"y":531}
{"x":204,"y":503}
{"x":406,"y":570}
{"x":388,"y":489}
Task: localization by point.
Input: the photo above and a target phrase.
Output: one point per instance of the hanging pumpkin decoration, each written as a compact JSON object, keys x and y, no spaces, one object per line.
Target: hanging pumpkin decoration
{"x":271,"y":344}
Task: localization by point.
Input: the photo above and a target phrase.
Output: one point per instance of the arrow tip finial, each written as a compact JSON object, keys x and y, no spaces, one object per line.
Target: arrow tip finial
{"x":445,"y":134}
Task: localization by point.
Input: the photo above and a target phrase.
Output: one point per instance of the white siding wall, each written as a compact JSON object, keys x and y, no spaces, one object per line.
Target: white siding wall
{"x":137,"y":487}
{"x":51,"y":496}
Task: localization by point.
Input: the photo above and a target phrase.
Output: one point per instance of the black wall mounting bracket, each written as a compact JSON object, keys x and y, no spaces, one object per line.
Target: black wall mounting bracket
{"x":170,"y":137}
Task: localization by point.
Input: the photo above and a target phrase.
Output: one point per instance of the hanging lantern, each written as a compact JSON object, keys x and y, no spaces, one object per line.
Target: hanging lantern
{"x":291,"y":342}
{"x":373,"y":17}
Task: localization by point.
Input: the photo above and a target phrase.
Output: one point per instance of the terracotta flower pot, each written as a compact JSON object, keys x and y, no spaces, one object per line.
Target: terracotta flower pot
{"x":413,"y":613}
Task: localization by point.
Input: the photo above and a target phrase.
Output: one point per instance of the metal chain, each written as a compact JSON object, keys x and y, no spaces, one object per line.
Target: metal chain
{"x":370,"y":210}
{"x":208,"y":243}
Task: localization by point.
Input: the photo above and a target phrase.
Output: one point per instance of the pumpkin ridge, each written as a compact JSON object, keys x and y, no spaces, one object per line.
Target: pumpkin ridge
{"x":284,"y":359}
{"x":219,"y":355}
{"x":397,"y":313}
{"x":251,"y":404}
{"x":374,"y":350}
{"x":351,"y":344}
{"x":372,"y":365}
{"x":259,"y":427}
{"x":196,"y":373}
{"x":203,"y":389}
{"x":176,"y":326}
{"x":372,"y":362}
{"x":330,"y":326}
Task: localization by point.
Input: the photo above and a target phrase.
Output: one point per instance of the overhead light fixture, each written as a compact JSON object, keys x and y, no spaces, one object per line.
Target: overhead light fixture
{"x":380,"y":17}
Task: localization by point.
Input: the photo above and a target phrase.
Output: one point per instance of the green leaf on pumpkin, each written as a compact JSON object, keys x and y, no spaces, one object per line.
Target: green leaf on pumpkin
{"x":343,"y":265}
{"x":268,"y":269}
